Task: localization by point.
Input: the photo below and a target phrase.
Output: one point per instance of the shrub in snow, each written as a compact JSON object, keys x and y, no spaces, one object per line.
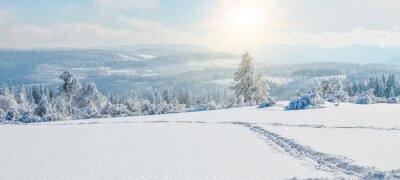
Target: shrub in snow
{"x":45,"y":112}
{"x":89,"y":102}
{"x":178,"y":108}
{"x":240,"y":101}
{"x":366,"y":98}
{"x":27,"y":118}
{"x":201,"y":107}
{"x":116,"y":110}
{"x":147,"y":108}
{"x":363,"y":100}
{"x":205,"y":107}
{"x":44,"y":108}
{"x":251,"y":103}
{"x":332,"y":100}
{"x":393,"y":100}
{"x":135,"y":105}
{"x":6,"y":102}
{"x":379,"y":100}
{"x":310,"y":101}
{"x":332,"y":90}
{"x":343,"y":96}
{"x":12,"y":114}
{"x":232,"y":103}
{"x":268,"y":103}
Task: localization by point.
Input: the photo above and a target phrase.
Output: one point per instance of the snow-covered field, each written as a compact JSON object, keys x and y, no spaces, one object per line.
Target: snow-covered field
{"x":348,"y":141}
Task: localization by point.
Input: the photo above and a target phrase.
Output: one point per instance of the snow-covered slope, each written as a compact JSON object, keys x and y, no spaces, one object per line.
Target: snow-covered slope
{"x":348,"y":141}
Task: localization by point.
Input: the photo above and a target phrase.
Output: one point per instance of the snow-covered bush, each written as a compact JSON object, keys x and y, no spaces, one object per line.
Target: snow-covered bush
{"x":206,"y":107}
{"x":332,"y":100}
{"x":310,"y":101}
{"x":6,"y":102}
{"x":178,"y":108}
{"x":393,"y":100}
{"x":12,"y":114}
{"x":45,"y":112}
{"x":268,"y":103}
{"x":251,"y":103}
{"x":240,"y":101}
{"x":44,"y":108}
{"x":332,"y":90}
{"x":116,"y":110}
{"x":363,"y":100}
{"x":88,"y":102}
{"x":379,"y":100}
{"x":200,"y":107}
{"x":28,"y":118}
{"x":366,"y":98}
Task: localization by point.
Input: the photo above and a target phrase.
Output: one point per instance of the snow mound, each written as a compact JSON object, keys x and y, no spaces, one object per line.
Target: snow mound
{"x":310,"y":101}
{"x":363,"y":100}
{"x":268,"y":103}
{"x":393,"y":100}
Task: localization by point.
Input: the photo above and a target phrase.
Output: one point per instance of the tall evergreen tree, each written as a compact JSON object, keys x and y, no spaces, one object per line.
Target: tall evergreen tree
{"x":68,"y":89}
{"x":244,"y":76}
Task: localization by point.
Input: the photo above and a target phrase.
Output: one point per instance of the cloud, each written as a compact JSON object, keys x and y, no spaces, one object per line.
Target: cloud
{"x":140,"y":32}
{"x":111,"y":6}
{"x":142,"y":25}
{"x":83,"y":35}
{"x":357,"y":36}
{"x":337,"y":15}
{"x":7,"y":15}
{"x":333,"y":39}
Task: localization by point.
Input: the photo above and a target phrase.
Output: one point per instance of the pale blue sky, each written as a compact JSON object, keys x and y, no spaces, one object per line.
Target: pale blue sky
{"x":82,"y":23}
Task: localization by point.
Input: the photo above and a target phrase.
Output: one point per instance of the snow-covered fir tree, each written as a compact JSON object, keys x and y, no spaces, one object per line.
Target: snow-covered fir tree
{"x":249,"y":87}
{"x":68,"y":89}
{"x":244,"y":76}
{"x":88,"y":102}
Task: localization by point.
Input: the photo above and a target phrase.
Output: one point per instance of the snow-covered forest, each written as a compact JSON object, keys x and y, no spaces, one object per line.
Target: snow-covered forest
{"x":74,"y":100}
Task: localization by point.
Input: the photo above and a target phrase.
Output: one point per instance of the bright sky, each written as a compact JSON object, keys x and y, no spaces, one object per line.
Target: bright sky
{"x":221,"y":24}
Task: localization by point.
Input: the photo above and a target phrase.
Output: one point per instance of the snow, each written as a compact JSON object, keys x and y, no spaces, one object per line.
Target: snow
{"x":358,"y":141}
{"x":147,"y":56}
{"x":345,"y":141}
{"x":124,"y":57}
{"x":145,"y":151}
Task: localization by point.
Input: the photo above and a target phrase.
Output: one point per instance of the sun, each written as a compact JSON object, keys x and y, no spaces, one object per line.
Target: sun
{"x":242,"y":23}
{"x":245,"y":17}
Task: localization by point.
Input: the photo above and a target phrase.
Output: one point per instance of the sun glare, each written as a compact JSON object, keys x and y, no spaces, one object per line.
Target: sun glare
{"x":245,"y":19}
{"x":242,"y":23}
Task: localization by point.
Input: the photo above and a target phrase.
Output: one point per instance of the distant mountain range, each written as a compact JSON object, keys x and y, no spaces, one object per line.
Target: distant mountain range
{"x":289,"y":54}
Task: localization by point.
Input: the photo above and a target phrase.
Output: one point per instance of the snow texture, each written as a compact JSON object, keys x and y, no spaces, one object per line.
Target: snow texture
{"x":237,"y":143}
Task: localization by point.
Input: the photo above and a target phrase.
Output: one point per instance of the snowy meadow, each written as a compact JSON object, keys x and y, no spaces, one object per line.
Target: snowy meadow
{"x":333,"y":127}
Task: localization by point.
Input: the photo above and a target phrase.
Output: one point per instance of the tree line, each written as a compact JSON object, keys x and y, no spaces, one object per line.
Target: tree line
{"x":72,"y":100}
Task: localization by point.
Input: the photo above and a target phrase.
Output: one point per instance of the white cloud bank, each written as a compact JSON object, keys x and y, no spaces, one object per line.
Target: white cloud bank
{"x":82,"y":35}
{"x":131,"y":30}
{"x":88,"y":34}
{"x":7,"y":15}
{"x":112,"y":6}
